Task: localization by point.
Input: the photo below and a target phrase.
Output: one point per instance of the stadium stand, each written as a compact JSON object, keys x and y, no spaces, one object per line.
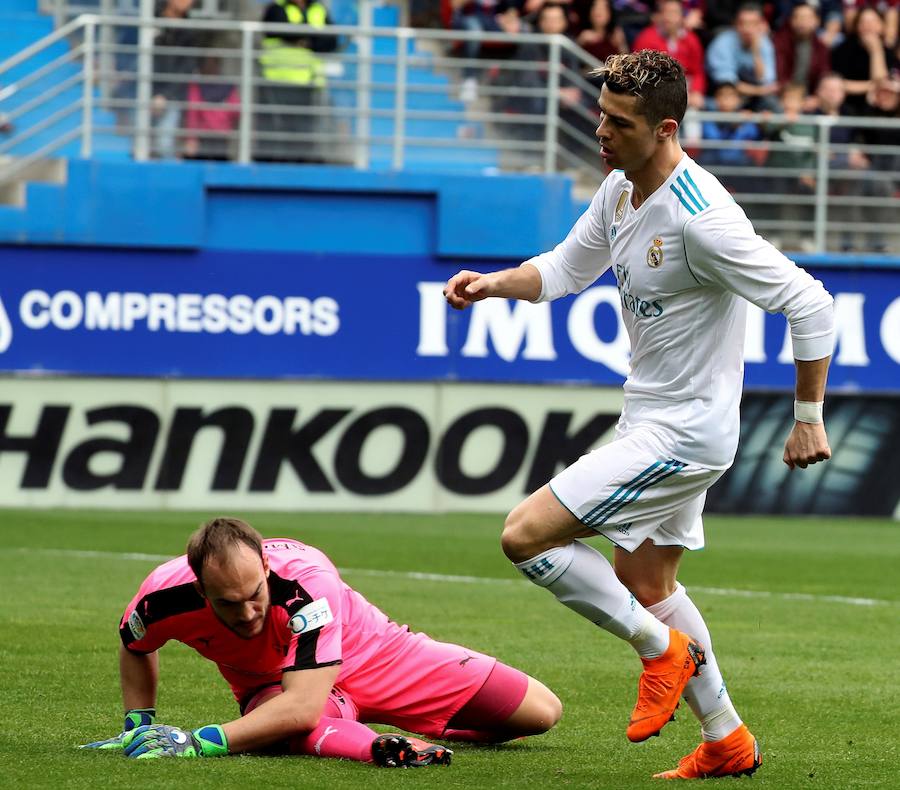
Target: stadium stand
{"x":425,"y":91}
{"x":391,"y":101}
{"x":51,"y":79}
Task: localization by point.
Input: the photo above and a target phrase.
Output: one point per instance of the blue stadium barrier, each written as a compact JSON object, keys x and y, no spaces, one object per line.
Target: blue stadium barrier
{"x":191,"y":204}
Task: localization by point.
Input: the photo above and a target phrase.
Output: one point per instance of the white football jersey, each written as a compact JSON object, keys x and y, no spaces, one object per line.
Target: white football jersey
{"x":685,"y":260}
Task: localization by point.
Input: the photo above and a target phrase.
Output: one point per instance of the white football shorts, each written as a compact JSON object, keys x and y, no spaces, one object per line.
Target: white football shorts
{"x":633,"y":489}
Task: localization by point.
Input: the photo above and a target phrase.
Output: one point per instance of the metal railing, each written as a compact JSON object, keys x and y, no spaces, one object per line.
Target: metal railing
{"x":398,"y":98}
{"x":63,"y":11}
{"x":345,"y":11}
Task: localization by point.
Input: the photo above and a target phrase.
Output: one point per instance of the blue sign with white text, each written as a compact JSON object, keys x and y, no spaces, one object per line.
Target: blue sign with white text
{"x":226,"y":314}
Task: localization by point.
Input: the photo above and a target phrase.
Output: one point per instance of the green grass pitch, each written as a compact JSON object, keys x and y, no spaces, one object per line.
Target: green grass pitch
{"x":816,"y":676}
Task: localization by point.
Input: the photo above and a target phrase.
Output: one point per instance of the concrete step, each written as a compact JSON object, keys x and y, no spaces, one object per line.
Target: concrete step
{"x":47,"y":171}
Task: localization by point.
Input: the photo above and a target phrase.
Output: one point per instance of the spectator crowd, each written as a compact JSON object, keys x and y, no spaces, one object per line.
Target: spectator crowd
{"x":740,"y":55}
{"x":786,"y":58}
{"x":194,"y":108}
{"x":790,"y":59}
{"x":757,"y":48}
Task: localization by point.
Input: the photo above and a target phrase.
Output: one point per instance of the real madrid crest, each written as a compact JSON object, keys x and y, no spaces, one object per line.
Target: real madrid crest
{"x":655,"y":254}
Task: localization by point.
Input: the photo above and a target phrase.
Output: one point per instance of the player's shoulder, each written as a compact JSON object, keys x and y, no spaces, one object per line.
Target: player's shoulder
{"x":291,"y":559}
{"x":607,"y":188}
{"x":612,"y":185}
{"x":284,"y":546}
{"x":299,"y":574}
{"x":693,"y":190}
{"x":698,"y":201}
{"x":613,"y":191}
{"x":168,"y":592}
{"x":173,"y":573}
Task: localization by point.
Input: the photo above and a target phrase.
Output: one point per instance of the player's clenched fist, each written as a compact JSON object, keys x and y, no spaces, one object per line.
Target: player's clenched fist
{"x":467,"y":287}
{"x":807,"y":444}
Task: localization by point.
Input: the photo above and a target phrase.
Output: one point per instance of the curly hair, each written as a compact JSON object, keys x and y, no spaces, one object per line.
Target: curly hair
{"x":656,"y":78}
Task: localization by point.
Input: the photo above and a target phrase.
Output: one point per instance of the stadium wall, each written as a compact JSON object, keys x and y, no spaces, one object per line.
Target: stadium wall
{"x":190,"y":205}
{"x":134,"y":335}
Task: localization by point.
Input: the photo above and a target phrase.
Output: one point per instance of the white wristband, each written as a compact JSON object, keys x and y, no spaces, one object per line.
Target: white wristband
{"x":808,"y":411}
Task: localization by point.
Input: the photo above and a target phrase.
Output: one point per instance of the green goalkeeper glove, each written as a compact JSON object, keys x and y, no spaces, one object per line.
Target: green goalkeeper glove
{"x":137,"y":717}
{"x":160,"y":740}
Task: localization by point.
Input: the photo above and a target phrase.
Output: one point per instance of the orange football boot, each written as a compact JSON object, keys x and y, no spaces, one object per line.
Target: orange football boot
{"x":397,"y":751}
{"x":661,"y":684}
{"x":735,"y":755}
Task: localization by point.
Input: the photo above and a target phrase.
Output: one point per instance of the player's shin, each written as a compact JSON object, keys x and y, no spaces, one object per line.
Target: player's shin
{"x":582,"y":579}
{"x":706,"y":693}
{"x":340,"y":738}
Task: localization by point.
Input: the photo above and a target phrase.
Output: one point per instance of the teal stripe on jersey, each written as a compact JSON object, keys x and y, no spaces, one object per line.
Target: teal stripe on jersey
{"x":703,"y":200}
{"x":672,"y":467}
{"x":684,"y":203}
{"x":622,"y":488}
{"x":687,"y":190}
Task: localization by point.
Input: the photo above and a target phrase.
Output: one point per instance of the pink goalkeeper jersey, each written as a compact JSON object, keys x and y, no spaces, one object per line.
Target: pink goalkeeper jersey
{"x":314,"y":620}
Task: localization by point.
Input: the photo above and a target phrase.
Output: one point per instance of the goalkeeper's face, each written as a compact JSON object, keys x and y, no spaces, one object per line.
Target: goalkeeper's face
{"x":238,"y":591}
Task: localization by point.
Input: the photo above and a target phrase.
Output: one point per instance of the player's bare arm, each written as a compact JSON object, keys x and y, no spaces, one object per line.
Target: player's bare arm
{"x":139,"y":677}
{"x":807,"y":442}
{"x":467,"y":287}
{"x":294,"y":712}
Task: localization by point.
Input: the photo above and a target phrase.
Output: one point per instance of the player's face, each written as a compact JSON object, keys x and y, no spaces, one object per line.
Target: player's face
{"x":626,"y":140}
{"x":238,"y":591}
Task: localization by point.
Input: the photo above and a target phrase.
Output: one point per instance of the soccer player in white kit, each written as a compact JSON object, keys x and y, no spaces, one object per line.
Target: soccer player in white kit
{"x":687,"y":261}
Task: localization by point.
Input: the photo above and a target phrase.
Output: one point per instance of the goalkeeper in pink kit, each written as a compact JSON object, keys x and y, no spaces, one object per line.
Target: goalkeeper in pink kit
{"x":309,"y":661}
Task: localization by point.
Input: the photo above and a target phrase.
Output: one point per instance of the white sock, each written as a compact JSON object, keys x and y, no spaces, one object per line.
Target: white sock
{"x":706,"y":694}
{"x":582,"y":579}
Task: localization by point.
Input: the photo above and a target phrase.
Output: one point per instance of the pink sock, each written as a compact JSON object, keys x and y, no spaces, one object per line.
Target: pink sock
{"x":335,"y":736}
{"x":341,"y":738}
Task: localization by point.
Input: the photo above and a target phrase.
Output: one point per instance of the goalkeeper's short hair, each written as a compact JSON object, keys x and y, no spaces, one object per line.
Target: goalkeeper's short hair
{"x":217,"y":538}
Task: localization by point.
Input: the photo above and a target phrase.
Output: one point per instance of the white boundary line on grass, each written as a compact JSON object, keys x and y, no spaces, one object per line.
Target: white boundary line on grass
{"x":456,"y":579}
{"x":723,"y":591}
